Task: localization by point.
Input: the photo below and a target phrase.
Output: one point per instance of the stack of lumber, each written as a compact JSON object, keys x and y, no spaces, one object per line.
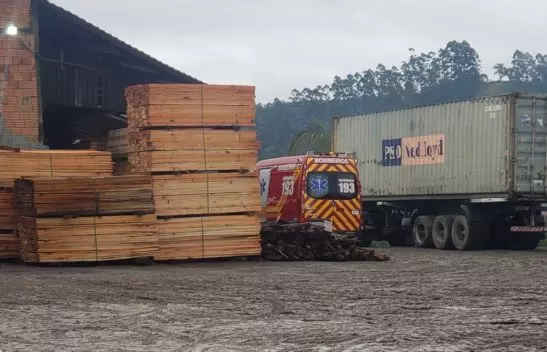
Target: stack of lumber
{"x":53,"y":163}
{"x":206,"y":194}
{"x":9,"y":243}
{"x":85,"y":239}
{"x":118,"y":144}
{"x":81,"y":196}
{"x":208,"y":237}
{"x":193,"y":150}
{"x":86,"y":219}
{"x":36,"y":164}
{"x":199,"y":143}
{"x":187,"y":105}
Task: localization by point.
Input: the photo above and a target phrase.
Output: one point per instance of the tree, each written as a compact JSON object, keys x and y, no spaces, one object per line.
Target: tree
{"x":315,"y":137}
{"x":453,"y":72}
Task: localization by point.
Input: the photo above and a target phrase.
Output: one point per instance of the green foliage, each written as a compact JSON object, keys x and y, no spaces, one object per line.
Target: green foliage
{"x":451,"y":73}
{"x":315,"y":137}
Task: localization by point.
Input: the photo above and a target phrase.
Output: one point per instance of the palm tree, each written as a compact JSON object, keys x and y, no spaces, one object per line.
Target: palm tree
{"x":314,"y":137}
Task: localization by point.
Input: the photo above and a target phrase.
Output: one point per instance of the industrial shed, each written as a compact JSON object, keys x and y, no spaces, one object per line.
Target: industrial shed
{"x":64,"y":78}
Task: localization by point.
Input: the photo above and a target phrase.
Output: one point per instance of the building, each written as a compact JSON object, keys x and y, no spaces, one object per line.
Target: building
{"x":63,"y":79}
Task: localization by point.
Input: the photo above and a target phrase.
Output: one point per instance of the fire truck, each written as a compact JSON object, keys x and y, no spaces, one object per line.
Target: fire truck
{"x":312,"y":188}
{"x":311,"y":202}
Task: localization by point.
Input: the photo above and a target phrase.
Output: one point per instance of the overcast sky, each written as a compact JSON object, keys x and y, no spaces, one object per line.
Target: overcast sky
{"x":279,"y":45}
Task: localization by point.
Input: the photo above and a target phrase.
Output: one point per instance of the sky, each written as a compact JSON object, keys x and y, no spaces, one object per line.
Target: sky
{"x":279,"y":45}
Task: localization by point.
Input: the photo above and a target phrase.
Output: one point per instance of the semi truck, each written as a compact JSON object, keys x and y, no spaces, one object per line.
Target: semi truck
{"x":466,"y":174}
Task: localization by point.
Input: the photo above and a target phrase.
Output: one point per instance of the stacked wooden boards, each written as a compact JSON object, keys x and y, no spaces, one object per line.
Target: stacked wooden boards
{"x":32,"y":164}
{"x":118,"y":144}
{"x":9,"y":243}
{"x":86,"y":219}
{"x":199,"y":143}
{"x":53,"y":163}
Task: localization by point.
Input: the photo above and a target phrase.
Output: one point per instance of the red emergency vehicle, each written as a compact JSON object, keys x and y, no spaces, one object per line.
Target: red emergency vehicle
{"x":312,"y":188}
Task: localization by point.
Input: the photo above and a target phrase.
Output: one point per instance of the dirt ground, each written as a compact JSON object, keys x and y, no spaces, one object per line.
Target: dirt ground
{"x":422,"y":300}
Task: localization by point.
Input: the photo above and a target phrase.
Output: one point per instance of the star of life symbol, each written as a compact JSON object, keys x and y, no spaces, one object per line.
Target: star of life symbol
{"x":319,"y":185}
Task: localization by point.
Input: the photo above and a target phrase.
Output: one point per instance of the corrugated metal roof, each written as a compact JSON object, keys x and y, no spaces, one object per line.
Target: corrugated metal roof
{"x":109,"y":37}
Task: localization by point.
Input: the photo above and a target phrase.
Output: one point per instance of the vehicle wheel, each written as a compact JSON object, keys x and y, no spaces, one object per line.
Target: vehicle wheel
{"x":466,"y":236}
{"x":398,"y":239}
{"x":421,"y":232}
{"x":442,"y":231}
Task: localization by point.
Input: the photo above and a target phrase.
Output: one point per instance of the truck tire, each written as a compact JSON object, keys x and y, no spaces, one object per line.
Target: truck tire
{"x":422,"y":232}
{"x":442,"y":231}
{"x":469,"y":236}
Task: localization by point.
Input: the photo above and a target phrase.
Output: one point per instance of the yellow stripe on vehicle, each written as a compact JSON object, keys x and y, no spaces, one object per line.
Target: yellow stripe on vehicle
{"x":347,"y":214}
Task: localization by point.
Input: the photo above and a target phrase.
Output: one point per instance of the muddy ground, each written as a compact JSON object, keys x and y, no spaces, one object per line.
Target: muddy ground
{"x":422,"y":300}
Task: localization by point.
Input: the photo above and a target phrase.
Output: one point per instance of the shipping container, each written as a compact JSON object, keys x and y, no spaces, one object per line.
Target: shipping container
{"x":492,"y":146}
{"x":490,"y":150}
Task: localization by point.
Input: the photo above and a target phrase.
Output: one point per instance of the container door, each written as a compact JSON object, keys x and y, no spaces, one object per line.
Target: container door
{"x":531,"y":144}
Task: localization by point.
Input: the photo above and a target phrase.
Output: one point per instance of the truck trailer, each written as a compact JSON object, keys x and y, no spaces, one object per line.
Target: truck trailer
{"x":466,"y":175}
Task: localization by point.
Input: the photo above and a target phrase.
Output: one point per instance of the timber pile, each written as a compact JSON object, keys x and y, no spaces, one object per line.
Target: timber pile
{"x":87,"y":239}
{"x":86,"y":219}
{"x":190,"y":105}
{"x":36,"y":164}
{"x":84,"y":196}
{"x":118,"y":144}
{"x":53,"y":163}
{"x":8,"y":212}
{"x":9,"y":244}
{"x":307,"y":243}
{"x":206,"y":194}
{"x":208,"y":237}
{"x":199,"y":143}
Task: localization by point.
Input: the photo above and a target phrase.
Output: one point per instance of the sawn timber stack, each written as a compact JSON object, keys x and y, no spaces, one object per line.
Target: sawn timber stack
{"x":199,"y":143}
{"x":86,"y":219}
{"x":39,"y":164}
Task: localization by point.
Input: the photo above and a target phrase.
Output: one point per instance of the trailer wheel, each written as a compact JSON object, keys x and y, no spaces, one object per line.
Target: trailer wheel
{"x":422,"y":232}
{"x":442,"y":231}
{"x":468,"y":236}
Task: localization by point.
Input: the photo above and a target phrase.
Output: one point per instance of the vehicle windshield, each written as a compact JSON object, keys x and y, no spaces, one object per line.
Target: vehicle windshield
{"x":332,"y":185}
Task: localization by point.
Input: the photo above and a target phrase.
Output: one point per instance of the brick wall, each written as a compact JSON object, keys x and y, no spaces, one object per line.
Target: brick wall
{"x":19,"y":98}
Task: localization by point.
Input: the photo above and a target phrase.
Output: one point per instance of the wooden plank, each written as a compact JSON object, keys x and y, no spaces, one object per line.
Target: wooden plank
{"x":8,"y":213}
{"x":191,"y":116}
{"x":193,"y":139}
{"x":122,"y":167}
{"x":188,"y":94}
{"x":208,"y":237}
{"x":206,"y":194}
{"x":87,"y":238}
{"x":131,"y":194}
{"x":9,"y":245}
{"x":117,"y":143}
{"x":190,"y":160}
{"x":52,"y":163}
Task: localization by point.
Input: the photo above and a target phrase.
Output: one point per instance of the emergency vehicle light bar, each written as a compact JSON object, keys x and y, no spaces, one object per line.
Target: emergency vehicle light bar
{"x":339,"y":155}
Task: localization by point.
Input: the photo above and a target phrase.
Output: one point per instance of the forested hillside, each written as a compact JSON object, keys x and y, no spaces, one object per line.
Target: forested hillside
{"x":451,"y":73}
